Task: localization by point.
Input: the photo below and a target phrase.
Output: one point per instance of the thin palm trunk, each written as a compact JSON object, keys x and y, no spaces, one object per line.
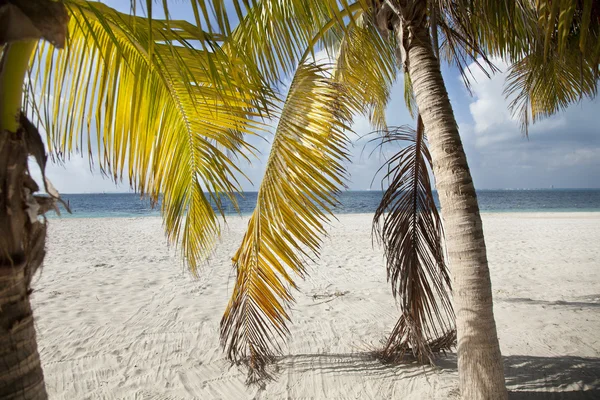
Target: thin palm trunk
{"x":480,"y":366}
{"x":22,"y":239}
{"x":21,"y":374}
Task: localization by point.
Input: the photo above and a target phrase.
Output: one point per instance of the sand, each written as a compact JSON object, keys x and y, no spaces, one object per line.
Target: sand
{"x":118,"y":317}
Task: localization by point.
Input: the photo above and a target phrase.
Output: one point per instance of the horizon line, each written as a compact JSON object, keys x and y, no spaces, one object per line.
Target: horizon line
{"x":377,"y":190}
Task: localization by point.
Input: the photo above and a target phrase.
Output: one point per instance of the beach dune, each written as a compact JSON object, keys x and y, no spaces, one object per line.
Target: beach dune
{"x":119,"y":317}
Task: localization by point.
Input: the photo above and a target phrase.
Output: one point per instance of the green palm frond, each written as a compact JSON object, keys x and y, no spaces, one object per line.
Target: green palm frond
{"x":541,"y":87}
{"x":512,"y":29}
{"x":561,"y":20}
{"x":298,"y":192}
{"x":504,"y":29}
{"x":409,"y":95}
{"x":590,"y":31}
{"x":168,"y":118}
{"x":409,"y":227}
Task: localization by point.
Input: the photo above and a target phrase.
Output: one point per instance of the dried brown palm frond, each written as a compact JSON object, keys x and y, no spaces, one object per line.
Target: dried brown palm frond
{"x":409,"y":227}
{"x":396,"y":349}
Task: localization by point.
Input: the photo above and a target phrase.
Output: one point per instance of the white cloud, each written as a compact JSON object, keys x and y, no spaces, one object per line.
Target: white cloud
{"x":76,"y":176}
{"x":563,"y":150}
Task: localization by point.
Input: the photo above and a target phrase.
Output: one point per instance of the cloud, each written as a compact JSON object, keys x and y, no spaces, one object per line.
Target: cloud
{"x":76,"y":176}
{"x":561,"y":151}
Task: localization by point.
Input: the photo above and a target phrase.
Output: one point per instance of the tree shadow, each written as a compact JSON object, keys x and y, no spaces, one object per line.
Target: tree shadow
{"x":349,"y":364}
{"x":588,"y":302}
{"x":553,"y":378}
{"x":568,"y":377}
{"x":527,"y":377}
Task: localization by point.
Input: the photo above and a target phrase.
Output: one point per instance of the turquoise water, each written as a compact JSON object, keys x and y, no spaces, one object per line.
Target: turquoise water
{"x":556,"y":200}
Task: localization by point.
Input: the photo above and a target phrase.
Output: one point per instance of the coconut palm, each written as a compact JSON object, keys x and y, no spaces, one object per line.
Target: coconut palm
{"x":246,"y":333}
{"x":522,"y":32}
{"x":139,"y":98}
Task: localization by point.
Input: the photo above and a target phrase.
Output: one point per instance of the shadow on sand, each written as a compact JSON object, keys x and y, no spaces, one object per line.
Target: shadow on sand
{"x":527,"y":377}
{"x":567,"y":377}
{"x":588,"y":302}
{"x":349,"y":363}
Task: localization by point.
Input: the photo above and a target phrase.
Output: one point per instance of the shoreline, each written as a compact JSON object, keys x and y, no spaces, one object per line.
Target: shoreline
{"x":508,"y":213}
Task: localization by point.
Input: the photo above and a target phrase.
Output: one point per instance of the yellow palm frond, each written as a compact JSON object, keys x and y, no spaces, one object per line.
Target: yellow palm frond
{"x":211,"y":15}
{"x":303,"y":175}
{"x":168,"y":117}
{"x":369,"y":83}
{"x":277,"y":33}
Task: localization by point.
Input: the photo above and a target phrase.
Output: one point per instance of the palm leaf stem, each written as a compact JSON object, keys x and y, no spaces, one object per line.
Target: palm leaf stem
{"x":13,"y":68}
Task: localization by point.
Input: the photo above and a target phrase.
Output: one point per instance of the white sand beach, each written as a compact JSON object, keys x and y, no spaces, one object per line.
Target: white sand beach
{"x":118,"y":316}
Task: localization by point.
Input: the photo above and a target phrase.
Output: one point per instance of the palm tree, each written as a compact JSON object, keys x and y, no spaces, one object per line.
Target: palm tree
{"x":244,"y":333}
{"x":480,"y":364}
{"x":167,"y":114}
{"x":466,"y":29}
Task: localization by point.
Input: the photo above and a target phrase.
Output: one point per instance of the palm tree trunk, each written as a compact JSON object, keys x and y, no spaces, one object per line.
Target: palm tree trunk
{"x":22,"y":240}
{"x":21,"y":374}
{"x":480,"y":366}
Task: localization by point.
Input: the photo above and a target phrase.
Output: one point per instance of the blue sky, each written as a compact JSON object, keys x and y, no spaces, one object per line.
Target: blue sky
{"x":561,"y":151}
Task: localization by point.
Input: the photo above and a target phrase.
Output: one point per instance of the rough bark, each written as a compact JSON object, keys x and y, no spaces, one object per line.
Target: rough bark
{"x":21,"y":253}
{"x":480,"y":365}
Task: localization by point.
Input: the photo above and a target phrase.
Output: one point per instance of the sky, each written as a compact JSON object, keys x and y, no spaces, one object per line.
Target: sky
{"x":562,"y":151}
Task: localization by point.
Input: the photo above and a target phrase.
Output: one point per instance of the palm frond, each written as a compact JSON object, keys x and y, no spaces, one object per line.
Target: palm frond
{"x":276,"y":34}
{"x":505,"y":29}
{"x":513,"y":29}
{"x":409,"y":227}
{"x":167,"y":118}
{"x":541,"y":87}
{"x":561,"y":21}
{"x":459,"y":45}
{"x":211,"y":16}
{"x":409,"y":95}
{"x":369,"y":83}
{"x":298,"y":192}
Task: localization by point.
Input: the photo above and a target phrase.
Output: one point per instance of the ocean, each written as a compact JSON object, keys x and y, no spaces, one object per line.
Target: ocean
{"x":352,"y":202}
